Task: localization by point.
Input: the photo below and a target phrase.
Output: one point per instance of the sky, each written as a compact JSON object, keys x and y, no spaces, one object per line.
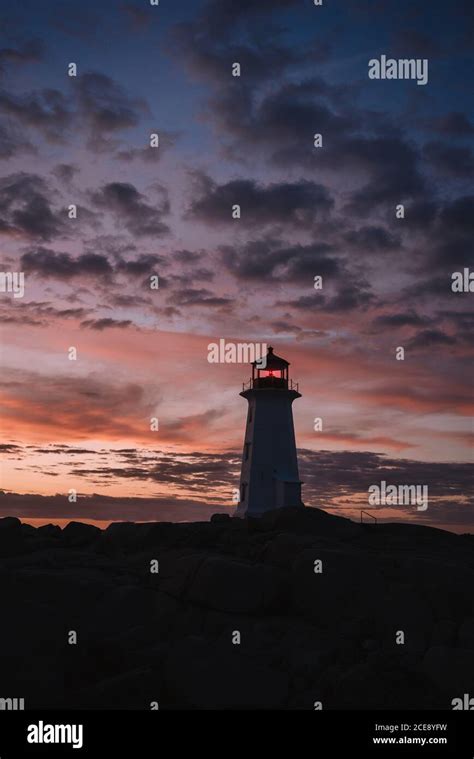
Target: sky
{"x":330,"y":211}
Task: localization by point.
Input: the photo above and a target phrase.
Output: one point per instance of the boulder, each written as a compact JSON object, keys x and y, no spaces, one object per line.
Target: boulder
{"x":201,"y":677}
{"x":451,"y":669}
{"x":227,"y":585}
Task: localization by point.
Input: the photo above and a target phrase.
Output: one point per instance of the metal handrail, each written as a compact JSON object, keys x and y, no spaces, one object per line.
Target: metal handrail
{"x":250,"y":384}
{"x":367,"y":514}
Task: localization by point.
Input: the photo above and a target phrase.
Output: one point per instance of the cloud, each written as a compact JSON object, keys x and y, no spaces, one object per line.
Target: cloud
{"x":38,"y":313}
{"x":131,"y":210}
{"x":395,"y":321}
{"x":338,"y":481}
{"x":453,"y":124}
{"x":66,"y":172}
{"x":198,"y":297}
{"x":296,"y":204}
{"x":342,"y":475}
{"x":84,"y":406}
{"x":29,"y":52}
{"x":25,"y":208}
{"x":47,"y":110}
{"x":58,"y":265}
{"x":145,"y":263}
{"x":347,"y":297}
{"x":267,"y":258}
{"x":449,"y":159}
{"x":106,"y":323}
{"x":372,"y":239}
{"x":106,"y":107}
{"x":106,"y":508}
{"x":12,"y":143}
{"x":428,"y":338}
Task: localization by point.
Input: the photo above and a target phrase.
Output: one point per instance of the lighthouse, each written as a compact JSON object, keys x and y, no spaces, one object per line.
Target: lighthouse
{"x":269,"y":476}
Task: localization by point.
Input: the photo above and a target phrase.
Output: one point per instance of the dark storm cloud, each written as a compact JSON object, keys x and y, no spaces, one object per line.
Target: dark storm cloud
{"x":193,"y":275}
{"x":97,"y":507}
{"x":347,"y":297}
{"x":448,"y":159}
{"x":131,"y":209}
{"x":210,"y":57}
{"x":268,"y":258}
{"x":453,"y":233}
{"x":371,"y":239}
{"x":105,"y":106}
{"x":188,"y":256}
{"x":106,"y":323}
{"x":392,"y":163}
{"x":25,"y":208}
{"x":66,"y":172}
{"x":446,"y":228}
{"x":196,"y":467}
{"x":422,"y":215}
{"x":279,"y":122}
{"x":296,"y":204}
{"x":458,"y":216}
{"x":248,"y":32}
{"x":223,"y":14}
{"x":280,"y":125}
{"x":198,"y":297}
{"x":138,"y":267}
{"x":58,"y":265}
{"x":97,"y":106}
{"x":39,"y":313}
{"x":462,"y":320}
{"x":30,"y":52}
{"x":282,"y":122}
{"x":63,"y":266}
{"x":394,"y":321}
{"x":329,"y":474}
{"x":429,"y":338}
{"x":453,"y":124}
{"x":47,"y":110}
{"x":13,"y":143}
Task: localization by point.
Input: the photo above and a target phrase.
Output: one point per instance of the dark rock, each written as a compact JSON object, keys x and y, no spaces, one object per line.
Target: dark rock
{"x":305,"y":636}
{"x":348,"y":586}
{"x":204,"y":678}
{"x":9,"y":524}
{"x":466,"y":634}
{"x":443,"y":633}
{"x":451,"y":669}
{"x":78,"y":533}
{"x":235,"y":586}
{"x":222,"y":518}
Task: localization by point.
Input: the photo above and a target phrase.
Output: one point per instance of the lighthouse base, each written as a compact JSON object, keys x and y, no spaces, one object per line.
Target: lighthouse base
{"x":287,"y":493}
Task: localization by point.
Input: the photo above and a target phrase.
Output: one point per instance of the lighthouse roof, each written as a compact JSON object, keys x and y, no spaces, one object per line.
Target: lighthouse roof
{"x":273,"y":361}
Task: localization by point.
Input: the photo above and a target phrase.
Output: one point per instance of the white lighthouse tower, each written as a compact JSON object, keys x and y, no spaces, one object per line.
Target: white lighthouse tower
{"x":269,"y":478}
